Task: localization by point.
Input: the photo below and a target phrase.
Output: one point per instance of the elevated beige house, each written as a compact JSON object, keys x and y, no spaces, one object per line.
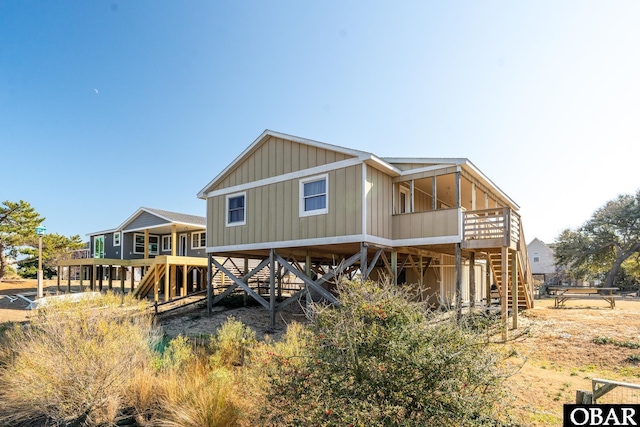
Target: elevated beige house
{"x":308,"y":211}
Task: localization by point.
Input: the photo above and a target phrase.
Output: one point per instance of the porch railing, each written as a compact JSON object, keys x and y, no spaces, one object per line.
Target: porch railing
{"x":498,"y":224}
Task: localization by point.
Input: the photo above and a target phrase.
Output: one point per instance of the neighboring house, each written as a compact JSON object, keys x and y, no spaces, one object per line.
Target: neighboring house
{"x":316,"y":211}
{"x":542,"y":260}
{"x":149,"y":246}
{"x":149,"y":233}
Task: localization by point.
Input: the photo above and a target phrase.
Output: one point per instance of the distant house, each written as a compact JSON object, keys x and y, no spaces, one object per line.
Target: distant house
{"x":160,"y":249}
{"x":149,"y":233}
{"x":317,"y":211}
{"x":542,"y":260}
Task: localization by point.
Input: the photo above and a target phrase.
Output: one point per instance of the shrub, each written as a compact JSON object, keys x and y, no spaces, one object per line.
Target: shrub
{"x":232,"y":343}
{"x":73,"y":363}
{"x":379,"y":359}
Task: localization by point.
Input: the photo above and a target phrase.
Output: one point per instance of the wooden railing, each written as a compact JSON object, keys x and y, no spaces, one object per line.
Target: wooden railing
{"x":495,"y":227}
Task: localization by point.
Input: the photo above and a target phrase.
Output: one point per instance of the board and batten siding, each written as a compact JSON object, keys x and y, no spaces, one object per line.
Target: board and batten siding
{"x":379,"y":203}
{"x":277,"y":156}
{"x":145,"y":220}
{"x":437,"y":223}
{"x":272,"y":212}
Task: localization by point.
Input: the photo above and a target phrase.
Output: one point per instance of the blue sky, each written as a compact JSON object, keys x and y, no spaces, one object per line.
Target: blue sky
{"x":107,"y":106}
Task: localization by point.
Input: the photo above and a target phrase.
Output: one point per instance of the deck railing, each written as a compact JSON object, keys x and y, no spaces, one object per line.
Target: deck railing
{"x":498,"y":224}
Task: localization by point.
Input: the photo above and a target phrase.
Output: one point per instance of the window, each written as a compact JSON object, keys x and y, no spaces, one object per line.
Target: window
{"x":116,"y":239}
{"x":166,"y":243}
{"x":236,"y":204}
{"x":313,"y":196}
{"x":536,"y":257}
{"x":138,"y":244}
{"x":198,"y":240}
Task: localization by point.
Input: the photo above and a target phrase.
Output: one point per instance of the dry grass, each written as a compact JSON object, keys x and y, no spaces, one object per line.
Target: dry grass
{"x":561,"y":356}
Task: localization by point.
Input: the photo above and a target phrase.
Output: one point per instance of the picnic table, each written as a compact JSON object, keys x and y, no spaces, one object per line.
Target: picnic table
{"x":564,"y":293}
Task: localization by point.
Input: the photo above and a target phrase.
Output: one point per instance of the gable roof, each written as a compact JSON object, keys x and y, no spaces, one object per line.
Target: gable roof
{"x":386,"y":164}
{"x":168,"y":216}
{"x":365,"y":156}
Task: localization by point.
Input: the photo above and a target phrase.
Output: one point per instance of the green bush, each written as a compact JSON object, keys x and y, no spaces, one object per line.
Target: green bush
{"x":72,"y":364}
{"x":380,"y":360}
{"x":232,"y":343}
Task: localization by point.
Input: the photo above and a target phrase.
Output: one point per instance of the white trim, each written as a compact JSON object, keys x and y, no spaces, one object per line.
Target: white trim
{"x":268,"y":133}
{"x":162,"y":246}
{"x":302,"y":212}
{"x":353,"y":238}
{"x":153,"y":227}
{"x":286,"y":177}
{"x":226,"y":210}
{"x":119,"y":234}
{"x":364,"y":198}
{"x":200,"y":233}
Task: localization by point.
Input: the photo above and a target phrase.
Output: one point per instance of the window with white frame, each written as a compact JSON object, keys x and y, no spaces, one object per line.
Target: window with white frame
{"x":116,"y":238}
{"x":236,"y":209}
{"x":138,"y":244}
{"x":198,"y":240}
{"x":166,"y":243}
{"x":314,"y":195}
{"x":536,"y":257}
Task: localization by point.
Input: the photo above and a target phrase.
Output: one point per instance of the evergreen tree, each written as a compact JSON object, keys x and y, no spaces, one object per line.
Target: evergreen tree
{"x":18,"y":221}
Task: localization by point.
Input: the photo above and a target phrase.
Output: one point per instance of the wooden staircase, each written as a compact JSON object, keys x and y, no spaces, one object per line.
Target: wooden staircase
{"x":149,"y":279}
{"x":498,"y":233}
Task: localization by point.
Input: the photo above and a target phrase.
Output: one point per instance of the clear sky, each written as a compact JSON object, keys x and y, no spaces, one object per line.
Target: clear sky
{"x":108,"y":106}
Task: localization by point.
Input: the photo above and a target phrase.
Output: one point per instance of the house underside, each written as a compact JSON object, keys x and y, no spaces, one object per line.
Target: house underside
{"x":491,"y":253}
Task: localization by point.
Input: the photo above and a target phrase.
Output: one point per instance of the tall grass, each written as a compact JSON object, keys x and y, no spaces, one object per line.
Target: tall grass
{"x":73,"y":363}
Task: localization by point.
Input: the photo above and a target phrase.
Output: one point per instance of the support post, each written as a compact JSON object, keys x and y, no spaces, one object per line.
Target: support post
{"x":82,"y":269}
{"x":394,"y":266}
{"x":174,"y":228}
{"x":133,"y":277}
{"x":487,"y":278}
{"x":245,"y":296}
{"x":504,"y":259}
{"x":58,"y":274}
{"x":123,"y":277}
{"x":514,"y":288}
{"x":472,"y":280}
{"x":110,"y":271}
{"x":184,"y":291}
{"x":100,"y":276}
{"x":93,"y":272}
{"x":363,"y":262}
{"x":458,"y":280}
{"x":146,"y":243}
{"x":167,"y":284}
{"x":209,"y":284}
{"x":307,"y":268}
{"x":68,"y":279}
{"x":272,"y":289}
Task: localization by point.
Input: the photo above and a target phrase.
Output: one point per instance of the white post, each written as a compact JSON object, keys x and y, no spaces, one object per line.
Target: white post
{"x":40,"y":290}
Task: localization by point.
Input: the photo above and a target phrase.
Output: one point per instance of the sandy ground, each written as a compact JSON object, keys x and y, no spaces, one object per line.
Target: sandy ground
{"x":554,"y":347}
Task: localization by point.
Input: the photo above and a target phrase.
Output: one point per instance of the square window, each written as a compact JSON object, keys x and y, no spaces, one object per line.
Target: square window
{"x":314,"y":195}
{"x":198,"y":240}
{"x":138,"y":244}
{"x":236,"y":209}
